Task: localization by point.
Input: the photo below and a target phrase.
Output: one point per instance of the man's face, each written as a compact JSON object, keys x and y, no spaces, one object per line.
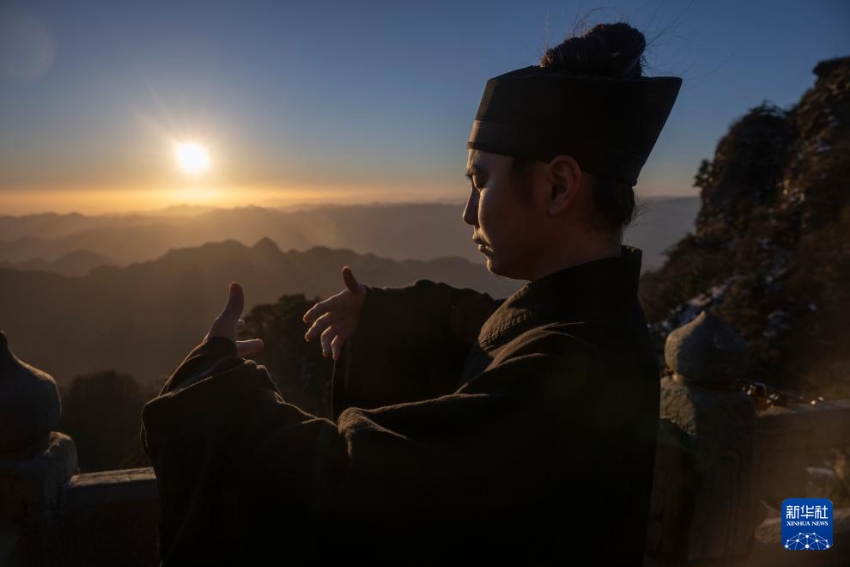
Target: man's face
{"x":501,"y":211}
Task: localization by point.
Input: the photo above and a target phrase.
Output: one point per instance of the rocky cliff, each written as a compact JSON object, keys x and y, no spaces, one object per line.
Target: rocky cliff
{"x":770,"y":251}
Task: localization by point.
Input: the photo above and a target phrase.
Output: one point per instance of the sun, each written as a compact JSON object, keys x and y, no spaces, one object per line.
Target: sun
{"x":192,"y":158}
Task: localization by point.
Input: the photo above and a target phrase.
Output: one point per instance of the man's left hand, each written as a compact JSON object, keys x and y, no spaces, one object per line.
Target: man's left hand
{"x":229,"y":322}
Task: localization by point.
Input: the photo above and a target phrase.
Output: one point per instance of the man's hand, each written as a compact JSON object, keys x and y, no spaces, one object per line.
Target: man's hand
{"x":334,"y":320}
{"x":228,"y":323}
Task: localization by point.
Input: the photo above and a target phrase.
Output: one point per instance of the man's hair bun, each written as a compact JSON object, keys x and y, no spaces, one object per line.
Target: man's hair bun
{"x":606,"y":50}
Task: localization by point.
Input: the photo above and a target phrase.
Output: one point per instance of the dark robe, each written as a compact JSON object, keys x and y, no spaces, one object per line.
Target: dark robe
{"x":464,"y":427}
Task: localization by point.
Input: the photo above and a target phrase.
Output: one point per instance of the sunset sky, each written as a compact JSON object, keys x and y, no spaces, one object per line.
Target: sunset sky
{"x":343,"y":102}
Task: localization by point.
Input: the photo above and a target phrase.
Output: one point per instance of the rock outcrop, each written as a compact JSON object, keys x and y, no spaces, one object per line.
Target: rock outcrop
{"x":770,"y":254}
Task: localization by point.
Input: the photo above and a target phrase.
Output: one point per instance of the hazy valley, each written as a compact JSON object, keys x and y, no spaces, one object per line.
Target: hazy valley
{"x":72,"y":244}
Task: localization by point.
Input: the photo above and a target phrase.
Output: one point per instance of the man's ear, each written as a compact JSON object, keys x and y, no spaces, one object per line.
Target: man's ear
{"x":565,"y":179}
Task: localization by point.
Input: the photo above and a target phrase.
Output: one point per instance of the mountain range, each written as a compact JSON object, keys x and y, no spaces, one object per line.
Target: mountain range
{"x":143,"y":318}
{"x":72,"y":244}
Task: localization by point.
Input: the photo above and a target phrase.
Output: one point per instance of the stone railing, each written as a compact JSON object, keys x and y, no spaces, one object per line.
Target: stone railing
{"x":49,"y":514}
{"x":722,"y":471}
{"x":109,"y":518}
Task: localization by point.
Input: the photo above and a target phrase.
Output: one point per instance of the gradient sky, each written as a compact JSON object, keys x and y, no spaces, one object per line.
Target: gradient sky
{"x":344,"y":101}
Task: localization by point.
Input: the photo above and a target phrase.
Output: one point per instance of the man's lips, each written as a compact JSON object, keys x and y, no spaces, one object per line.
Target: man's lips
{"x":482,"y":246}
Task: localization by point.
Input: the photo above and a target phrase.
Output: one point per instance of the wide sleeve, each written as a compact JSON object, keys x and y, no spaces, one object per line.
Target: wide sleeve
{"x":410,"y":344}
{"x":241,"y":470}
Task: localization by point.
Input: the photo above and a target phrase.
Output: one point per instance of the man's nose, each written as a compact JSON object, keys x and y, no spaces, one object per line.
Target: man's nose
{"x":470,"y":211}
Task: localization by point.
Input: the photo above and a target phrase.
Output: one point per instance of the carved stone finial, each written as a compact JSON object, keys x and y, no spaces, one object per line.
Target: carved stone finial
{"x":29,"y":404}
{"x":707,"y":351}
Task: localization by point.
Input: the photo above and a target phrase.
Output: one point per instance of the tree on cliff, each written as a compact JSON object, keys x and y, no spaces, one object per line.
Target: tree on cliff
{"x":101,"y":412}
{"x":297,"y":367}
{"x":769,"y":253}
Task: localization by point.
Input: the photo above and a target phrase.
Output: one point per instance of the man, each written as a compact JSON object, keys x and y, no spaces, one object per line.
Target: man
{"x":463,"y":427}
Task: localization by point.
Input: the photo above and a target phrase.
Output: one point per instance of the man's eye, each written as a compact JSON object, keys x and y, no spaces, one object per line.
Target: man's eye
{"x":473,"y":181}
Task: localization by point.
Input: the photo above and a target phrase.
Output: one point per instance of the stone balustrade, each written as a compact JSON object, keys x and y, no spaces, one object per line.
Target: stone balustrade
{"x":723,"y":469}
{"x":110,"y":518}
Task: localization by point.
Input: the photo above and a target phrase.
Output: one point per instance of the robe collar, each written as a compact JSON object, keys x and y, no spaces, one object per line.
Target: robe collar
{"x":590,"y":290}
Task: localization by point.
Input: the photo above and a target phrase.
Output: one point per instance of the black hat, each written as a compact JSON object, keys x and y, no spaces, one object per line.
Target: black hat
{"x":608,"y":125}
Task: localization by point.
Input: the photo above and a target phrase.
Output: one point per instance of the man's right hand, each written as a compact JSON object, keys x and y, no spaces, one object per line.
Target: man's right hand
{"x":335,"y":319}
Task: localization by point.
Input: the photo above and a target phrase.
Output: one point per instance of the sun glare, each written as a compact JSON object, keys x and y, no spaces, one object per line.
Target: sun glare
{"x":192,"y":158}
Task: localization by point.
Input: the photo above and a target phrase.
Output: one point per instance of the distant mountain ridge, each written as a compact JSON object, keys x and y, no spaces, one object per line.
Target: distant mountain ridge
{"x":77,"y":263}
{"x":422,"y":231}
{"x":143,"y":318}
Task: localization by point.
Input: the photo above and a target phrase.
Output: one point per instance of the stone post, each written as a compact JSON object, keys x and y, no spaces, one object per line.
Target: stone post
{"x":717,"y":420}
{"x":35,"y":462}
